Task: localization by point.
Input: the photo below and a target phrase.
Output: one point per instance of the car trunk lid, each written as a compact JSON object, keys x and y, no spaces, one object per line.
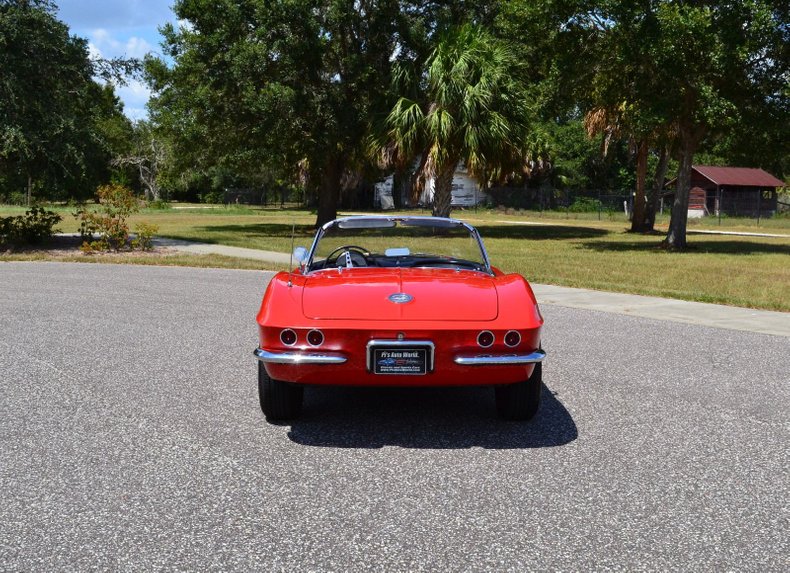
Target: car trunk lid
{"x":436,"y":294}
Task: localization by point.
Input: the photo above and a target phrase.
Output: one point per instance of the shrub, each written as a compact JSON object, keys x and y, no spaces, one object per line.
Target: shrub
{"x":39,"y":224}
{"x":15,"y":198}
{"x":585,"y":205}
{"x":159,"y":204}
{"x":216,"y":197}
{"x":36,"y":225}
{"x":145,"y":236}
{"x":116,"y":204}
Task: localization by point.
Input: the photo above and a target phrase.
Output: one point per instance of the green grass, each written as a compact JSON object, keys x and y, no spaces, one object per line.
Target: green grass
{"x":578,"y":251}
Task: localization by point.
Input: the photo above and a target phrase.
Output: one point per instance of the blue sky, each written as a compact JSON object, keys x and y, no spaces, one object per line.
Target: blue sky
{"x":119,"y":28}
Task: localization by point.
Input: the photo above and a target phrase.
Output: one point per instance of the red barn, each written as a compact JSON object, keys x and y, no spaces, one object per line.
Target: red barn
{"x":736,"y":191}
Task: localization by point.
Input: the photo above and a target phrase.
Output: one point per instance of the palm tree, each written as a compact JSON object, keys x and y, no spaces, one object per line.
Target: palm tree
{"x":474,"y":111}
{"x":620,"y":122}
{"x":613,"y":124}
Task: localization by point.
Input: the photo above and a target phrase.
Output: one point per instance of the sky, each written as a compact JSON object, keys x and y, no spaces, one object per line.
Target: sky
{"x":120,"y":28}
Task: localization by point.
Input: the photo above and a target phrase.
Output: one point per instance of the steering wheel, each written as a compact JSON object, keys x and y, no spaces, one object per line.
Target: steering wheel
{"x":357,"y":256}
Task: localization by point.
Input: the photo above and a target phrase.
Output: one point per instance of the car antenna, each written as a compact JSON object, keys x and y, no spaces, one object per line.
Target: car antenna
{"x":291,"y":258}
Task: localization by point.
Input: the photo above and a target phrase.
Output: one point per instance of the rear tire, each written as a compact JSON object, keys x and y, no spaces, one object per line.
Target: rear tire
{"x":279,"y":400}
{"x":520,"y":401}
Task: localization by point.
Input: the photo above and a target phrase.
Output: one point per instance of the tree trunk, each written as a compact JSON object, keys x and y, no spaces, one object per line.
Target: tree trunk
{"x":443,"y":191}
{"x":144,"y":180}
{"x":655,"y":193}
{"x":399,"y":177}
{"x":329,"y":191}
{"x":416,"y":183}
{"x":638,"y":216}
{"x":676,"y":237}
{"x":154,"y":187}
{"x":29,"y":189}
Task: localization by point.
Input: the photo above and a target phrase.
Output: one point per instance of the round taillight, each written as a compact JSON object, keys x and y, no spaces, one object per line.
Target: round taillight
{"x":485,"y":338}
{"x":288,"y":337}
{"x":315,"y":338}
{"x":512,"y":338}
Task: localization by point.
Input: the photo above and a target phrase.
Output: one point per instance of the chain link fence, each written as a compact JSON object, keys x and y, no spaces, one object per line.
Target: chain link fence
{"x":263,"y":196}
{"x":602,"y":202}
{"x":756,"y":204}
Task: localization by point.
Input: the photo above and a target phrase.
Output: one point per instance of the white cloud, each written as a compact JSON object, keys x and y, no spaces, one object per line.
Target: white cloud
{"x":137,"y":47}
{"x":135,"y":113}
{"x":134,"y":96}
{"x":120,"y":28}
{"x":93,"y":51}
{"x":109,"y":46}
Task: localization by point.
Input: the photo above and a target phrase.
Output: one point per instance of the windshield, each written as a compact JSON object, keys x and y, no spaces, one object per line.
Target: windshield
{"x":398,"y":242}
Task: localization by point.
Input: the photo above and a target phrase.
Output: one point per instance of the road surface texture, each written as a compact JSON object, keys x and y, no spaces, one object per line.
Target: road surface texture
{"x":131,"y":439}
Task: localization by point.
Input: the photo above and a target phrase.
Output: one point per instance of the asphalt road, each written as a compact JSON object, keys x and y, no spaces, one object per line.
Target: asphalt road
{"x":131,"y":439}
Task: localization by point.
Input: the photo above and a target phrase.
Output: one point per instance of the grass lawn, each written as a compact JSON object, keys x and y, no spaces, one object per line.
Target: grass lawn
{"x":574,"y":250}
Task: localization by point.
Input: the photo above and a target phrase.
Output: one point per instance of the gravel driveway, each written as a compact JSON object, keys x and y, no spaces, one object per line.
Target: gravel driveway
{"x":131,"y":439}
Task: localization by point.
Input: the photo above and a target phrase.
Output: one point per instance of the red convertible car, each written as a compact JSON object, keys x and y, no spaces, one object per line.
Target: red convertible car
{"x":398,"y":301}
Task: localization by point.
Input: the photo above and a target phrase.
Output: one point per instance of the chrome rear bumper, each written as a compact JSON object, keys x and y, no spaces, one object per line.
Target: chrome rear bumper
{"x":299,"y":357}
{"x":333,"y":358}
{"x":500,"y":359}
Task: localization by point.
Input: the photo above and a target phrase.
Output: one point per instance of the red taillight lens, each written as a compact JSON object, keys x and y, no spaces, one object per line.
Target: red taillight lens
{"x":288,"y":337}
{"x":512,"y":338}
{"x":485,"y":338}
{"x":315,"y":338}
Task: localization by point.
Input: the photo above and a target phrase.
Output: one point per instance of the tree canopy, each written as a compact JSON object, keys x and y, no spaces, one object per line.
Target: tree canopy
{"x":666,"y":72}
{"x":293,"y":92}
{"x":283,"y":86}
{"x":57,"y":124}
{"x":474,"y":109}
{"x":293,"y":88}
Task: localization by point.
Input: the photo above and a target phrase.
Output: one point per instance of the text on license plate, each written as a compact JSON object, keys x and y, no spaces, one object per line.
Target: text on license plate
{"x":400,"y":360}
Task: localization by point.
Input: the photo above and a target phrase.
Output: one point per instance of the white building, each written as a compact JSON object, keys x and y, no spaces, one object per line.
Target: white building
{"x":466,"y":192}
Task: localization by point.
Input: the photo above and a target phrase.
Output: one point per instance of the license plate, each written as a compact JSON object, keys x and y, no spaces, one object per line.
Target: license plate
{"x":400,"y":360}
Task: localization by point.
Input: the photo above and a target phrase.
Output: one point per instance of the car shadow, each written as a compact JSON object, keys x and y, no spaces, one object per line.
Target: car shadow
{"x":429,"y":418}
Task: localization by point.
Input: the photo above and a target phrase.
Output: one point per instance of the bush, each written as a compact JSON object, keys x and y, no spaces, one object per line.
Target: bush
{"x":217,"y":197}
{"x":145,"y":236}
{"x":585,"y":205}
{"x":36,"y":225}
{"x":159,"y":204}
{"x":15,"y":198}
{"x":109,"y":222}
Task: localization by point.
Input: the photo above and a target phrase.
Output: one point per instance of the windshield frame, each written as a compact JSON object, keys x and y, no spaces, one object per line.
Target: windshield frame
{"x":396,"y":219}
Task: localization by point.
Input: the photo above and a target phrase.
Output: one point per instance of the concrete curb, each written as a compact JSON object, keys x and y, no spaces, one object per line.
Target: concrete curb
{"x":211,"y":249}
{"x":712,"y":315}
